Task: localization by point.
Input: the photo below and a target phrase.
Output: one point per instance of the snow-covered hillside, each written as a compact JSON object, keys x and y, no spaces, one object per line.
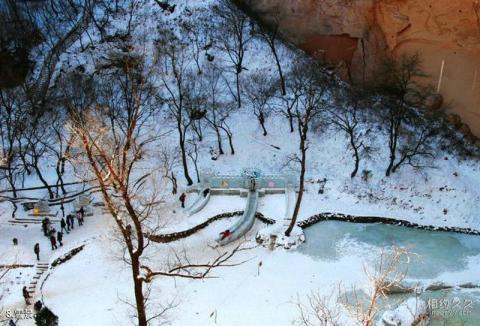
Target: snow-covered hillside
{"x":266,"y":287}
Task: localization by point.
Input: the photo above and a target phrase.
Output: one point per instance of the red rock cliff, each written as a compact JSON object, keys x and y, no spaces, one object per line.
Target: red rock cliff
{"x":358,"y":33}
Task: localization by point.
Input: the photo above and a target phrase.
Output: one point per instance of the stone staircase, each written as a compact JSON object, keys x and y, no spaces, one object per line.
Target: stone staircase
{"x":40,"y":268}
{"x":36,"y":221}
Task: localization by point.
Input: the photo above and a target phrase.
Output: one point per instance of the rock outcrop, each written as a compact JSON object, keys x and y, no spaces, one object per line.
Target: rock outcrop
{"x":358,"y":33}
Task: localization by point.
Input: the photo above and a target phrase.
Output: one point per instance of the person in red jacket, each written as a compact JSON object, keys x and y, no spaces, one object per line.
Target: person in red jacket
{"x":225,"y":234}
{"x":182,"y":198}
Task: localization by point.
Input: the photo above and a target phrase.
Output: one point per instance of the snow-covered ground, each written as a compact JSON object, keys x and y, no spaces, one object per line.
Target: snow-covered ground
{"x":94,"y":286}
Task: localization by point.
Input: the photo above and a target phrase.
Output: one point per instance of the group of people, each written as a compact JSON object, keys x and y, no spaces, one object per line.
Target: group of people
{"x":66,"y":225}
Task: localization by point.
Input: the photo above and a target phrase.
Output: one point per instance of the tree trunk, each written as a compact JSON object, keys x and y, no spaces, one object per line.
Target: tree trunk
{"x":139,"y":297}
{"x":279,"y":68}
{"x":355,"y":154}
{"x":392,"y":145}
{"x":11,"y":180}
{"x":230,"y":140}
{"x":174,"y":184}
{"x":390,"y":165}
{"x":290,"y":119}
{"x":239,"y":100}
{"x":261,"y":119}
{"x":42,"y":179}
{"x":219,"y":141}
{"x":198,"y":130}
{"x":60,"y":183}
{"x":262,"y":123}
{"x":14,"y":211}
{"x":300,"y":188}
{"x":184,"y":158}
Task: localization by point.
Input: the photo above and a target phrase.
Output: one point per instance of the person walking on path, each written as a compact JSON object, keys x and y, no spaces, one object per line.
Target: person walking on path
{"x":82,"y":213}
{"x":72,"y":222}
{"x":36,"y":250}
{"x":79,"y":219}
{"x":182,"y":198}
{"x":44,"y":226}
{"x":63,"y":226}
{"x":53,"y":242}
{"x":68,"y":222}
{"x":60,"y":238}
{"x":26,"y":295}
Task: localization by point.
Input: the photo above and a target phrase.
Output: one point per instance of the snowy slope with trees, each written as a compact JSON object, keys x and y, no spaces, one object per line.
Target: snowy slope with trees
{"x":153,"y":95}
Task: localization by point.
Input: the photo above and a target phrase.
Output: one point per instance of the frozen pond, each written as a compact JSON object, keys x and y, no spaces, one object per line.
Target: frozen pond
{"x":438,"y":256}
{"x":435,"y":252}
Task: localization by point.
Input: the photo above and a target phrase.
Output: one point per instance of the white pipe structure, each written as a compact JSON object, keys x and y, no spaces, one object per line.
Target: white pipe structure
{"x":474,"y":84}
{"x":441,"y":76}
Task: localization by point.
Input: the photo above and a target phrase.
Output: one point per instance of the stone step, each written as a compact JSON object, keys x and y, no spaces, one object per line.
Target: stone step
{"x":22,"y":222}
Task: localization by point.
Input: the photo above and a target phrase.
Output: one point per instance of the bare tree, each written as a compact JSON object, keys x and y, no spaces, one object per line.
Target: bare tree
{"x":193,"y":154}
{"x":308,"y":80}
{"x":260,"y":92}
{"x":270,"y":35}
{"x":218,"y":111}
{"x":232,"y":38}
{"x":345,"y":117}
{"x":132,"y":197}
{"x":386,"y":276}
{"x":36,"y":151}
{"x":399,"y":90}
{"x":62,"y":150}
{"x":318,"y":311}
{"x":197,"y":31}
{"x":226,"y":128}
{"x":175,"y":64}
{"x":388,"y":273}
{"x":13,"y":123}
{"x":168,"y":163}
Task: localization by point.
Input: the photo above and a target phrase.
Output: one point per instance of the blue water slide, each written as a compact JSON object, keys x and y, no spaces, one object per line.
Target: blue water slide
{"x":245,"y":223}
{"x":199,"y":203}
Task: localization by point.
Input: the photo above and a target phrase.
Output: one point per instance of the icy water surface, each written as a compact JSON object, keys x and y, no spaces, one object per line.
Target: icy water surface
{"x":434,"y":252}
{"x":436,"y":255}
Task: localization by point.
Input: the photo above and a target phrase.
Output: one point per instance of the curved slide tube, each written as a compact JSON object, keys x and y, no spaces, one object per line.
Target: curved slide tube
{"x":199,"y":203}
{"x":245,"y":223}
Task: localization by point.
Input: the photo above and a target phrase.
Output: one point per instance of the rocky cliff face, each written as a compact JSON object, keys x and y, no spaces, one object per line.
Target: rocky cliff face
{"x":356,"y":34}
